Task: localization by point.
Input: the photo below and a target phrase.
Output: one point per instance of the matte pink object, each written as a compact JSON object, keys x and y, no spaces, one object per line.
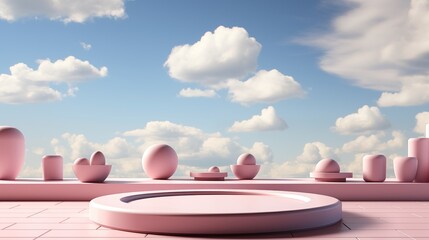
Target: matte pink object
{"x":97,"y":158}
{"x":245,"y":171}
{"x":159,"y":161}
{"x":419,"y":148}
{"x":81,"y":161}
{"x":331,"y":177}
{"x":52,"y":167}
{"x":214,"y":211}
{"x":209,"y":176}
{"x":214,"y":169}
{"x":92,"y":173}
{"x":12,"y":152}
{"x":327,"y":165}
{"x":246,"y":159}
{"x":405,"y":168}
{"x":374,"y":168}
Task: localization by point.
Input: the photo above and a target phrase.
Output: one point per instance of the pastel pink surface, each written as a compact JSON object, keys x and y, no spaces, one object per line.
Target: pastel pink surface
{"x":52,"y":167}
{"x":159,"y":161}
{"x":92,"y":173}
{"x":246,"y":159}
{"x":419,"y":148}
{"x":374,"y":168}
{"x":245,"y":171}
{"x":209,"y":176}
{"x":97,"y":158}
{"x":12,"y":152}
{"x":405,"y":168}
{"x":327,"y":165}
{"x":214,"y":211}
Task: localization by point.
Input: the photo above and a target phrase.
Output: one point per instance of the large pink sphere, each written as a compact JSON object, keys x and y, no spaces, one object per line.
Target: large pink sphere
{"x":12,"y":152}
{"x":327,"y":165}
{"x":246,"y":159}
{"x":159,"y":161}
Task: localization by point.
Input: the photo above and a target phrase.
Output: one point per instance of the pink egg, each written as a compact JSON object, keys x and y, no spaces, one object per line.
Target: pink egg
{"x":97,"y":158}
{"x":327,"y":165}
{"x":214,"y":169}
{"x":246,"y":159}
{"x":159,"y":161}
{"x":81,"y":161}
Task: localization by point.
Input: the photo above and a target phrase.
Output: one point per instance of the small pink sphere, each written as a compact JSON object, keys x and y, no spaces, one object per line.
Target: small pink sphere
{"x":12,"y":152}
{"x":159,"y":161}
{"x":97,"y":158}
{"x":214,"y":169}
{"x":246,"y":159}
{"x":327,"y":165}
{"x":81,"y":161}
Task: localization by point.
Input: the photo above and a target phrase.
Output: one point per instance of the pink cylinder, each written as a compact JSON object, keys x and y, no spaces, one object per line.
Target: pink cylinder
{"x":52,"y":167}
{"x":419,"y":148}
{"x":374,"y":168}
{"x":12,"y":152}
{"x":405,"y":168}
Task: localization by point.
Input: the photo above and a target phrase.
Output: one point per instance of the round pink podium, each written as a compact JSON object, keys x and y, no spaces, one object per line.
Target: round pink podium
{"x":214,"y":211}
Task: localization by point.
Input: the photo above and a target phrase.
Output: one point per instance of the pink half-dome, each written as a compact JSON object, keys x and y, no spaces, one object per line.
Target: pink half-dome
{"x":12,"y":152}
{"x":327,"y":165}
{"x":246,"y":159}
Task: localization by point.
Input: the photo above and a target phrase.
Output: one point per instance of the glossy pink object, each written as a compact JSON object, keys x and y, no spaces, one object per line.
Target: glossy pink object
{"x":374,"y":168}
{"x":81,"y":161}
{"x":159,"y":161}
{"x":214,"y":211}
{"x":12,"y":152}
{"x":246,"y":159}
{"x":405,"y":168}
{"x":97,"y":158}
{"x":245,"y":171}
{"x":419,"y":148}
{"x":52,"y":167}
{"x":327,"y":165}
{"x":92,"y":173}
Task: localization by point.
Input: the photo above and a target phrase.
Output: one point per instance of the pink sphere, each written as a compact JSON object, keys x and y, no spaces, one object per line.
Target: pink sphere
{"x":12,"y":152}
{"x":81,"y":161}
{"x":214,"y":169}
{"x":327,"y":165}
{"x":246,"y":159}
{"x":159,"y":161}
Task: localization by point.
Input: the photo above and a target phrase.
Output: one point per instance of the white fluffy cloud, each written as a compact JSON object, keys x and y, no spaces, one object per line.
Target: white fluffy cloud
{"x":265,"y":86}
{"x":268,"y":120}
{"x":421,"y":120}
{"x":374,"y":143}
{"x":366,"y":119}
{"x":66,"y":11}
{"x":220,"y":55}
{"x":193,"y":92}
{"x":24,"y":84}
{"x":381,"y":45}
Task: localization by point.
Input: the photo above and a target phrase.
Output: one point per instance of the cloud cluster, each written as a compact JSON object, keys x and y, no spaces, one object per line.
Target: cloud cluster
{"x":195,"y":92}
{"x":27,"y":85}
{"x":381,"y":45}
{"x":224,"y":59}
{"x":374,"y":143}
{"x":421,"y":120}
{"x":365,"y":120}
{"x":66,"y":11}
{"x":268,"y":120}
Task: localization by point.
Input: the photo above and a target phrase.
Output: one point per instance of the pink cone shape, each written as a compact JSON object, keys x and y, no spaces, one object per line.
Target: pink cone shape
{"x":374,"y":168}
{"x":12,"y":152}
{"x":159,"y":161}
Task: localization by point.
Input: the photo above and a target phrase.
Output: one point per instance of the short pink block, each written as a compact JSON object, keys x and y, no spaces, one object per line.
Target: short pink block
{"x":374,"y":168}
{"x":405,"y":168}
{"x":52,"y":167}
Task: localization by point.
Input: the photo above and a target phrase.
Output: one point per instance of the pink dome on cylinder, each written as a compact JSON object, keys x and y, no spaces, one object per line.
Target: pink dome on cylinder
{"x":327,"y":165}
{"x":12,"y":152}
{"x":159,"y":161}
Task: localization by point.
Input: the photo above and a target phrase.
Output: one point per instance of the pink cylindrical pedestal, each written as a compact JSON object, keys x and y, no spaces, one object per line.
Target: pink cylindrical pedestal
{"x":374,"y":168}
{"x":419,"y":148}
{"x":405,"y":168}
{"x":12,"y":152}
{"x":52,"y":167}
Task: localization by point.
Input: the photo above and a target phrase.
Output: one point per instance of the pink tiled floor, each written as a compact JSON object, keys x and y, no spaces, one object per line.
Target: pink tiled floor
{"x":69,"y":220}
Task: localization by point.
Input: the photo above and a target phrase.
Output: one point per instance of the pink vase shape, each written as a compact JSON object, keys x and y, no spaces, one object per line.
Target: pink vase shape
{"x":374,"y":168}
{"x":405,"y":168}
{"x":52,"y":167}
{"x":419,"y":148}
{"x":12,"y":152}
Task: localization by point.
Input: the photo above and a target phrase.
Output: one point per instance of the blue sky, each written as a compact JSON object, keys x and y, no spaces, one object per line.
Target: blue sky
{"x":290,"y":81}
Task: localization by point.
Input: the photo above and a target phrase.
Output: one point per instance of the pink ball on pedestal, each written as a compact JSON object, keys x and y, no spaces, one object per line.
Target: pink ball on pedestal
{"x":327,"y":165}
{"x":159,"y":161}
{"x":12,"y":152}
